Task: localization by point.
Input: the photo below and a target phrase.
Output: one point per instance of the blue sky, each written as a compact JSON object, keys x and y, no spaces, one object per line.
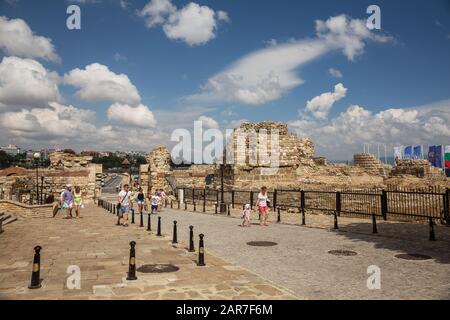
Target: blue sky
{"x":405,"y":65}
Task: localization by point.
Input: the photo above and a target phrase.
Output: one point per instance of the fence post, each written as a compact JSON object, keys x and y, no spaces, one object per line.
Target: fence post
{"x":303,"y":206}
{"x":228,"y":209}
{"x":204,"y":200}
{"x":193,"y":195}
{"x":384,"y":204}
{"x":232,"y":199}
{"x":447,"y":207}
{"x":335,"y":221}
{"x":279,"y":216}
{"x":159,"y":234}
{"x":185,"y":205}
{"x":251,"y":199}
{"x":275,"y":193}
{"x":338,"y":203}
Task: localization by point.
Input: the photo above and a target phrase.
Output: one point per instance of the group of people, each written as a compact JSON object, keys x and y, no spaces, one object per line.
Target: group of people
{"x":126,"y":199}
{"x":263,"y":204}
{"x":70,"y":199}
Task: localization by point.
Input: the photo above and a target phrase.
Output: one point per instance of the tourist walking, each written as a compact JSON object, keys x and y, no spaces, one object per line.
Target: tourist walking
{"x":78,"y":201}
{"x":67,"y":201}
{"x":155,"y":200}
{"x":163,"y":197}
{"x":124,"y":205}
{"x":140,"y":200}
{"x":246,"y":215}
{"x":262,"y":203}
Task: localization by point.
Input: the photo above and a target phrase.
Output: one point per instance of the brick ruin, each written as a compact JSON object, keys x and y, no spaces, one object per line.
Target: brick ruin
{"x":20,"y":184}
{"x":298,"y":167}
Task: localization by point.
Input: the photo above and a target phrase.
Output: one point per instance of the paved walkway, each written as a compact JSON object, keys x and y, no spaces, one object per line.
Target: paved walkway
{"x":101,"y":250}
{"x":301,"y":262}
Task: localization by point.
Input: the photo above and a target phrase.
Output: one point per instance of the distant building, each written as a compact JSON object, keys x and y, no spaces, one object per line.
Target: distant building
{"x":89,"y":153}
{"x":11,"y":150}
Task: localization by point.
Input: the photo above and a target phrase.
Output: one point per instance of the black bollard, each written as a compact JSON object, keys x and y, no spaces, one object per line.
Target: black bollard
{"x":229,"y":210}
{"x":132,"y":262}
{"x":432,"y":235}
{"x":142,"y":220}
{"x":149,"y":223}
{"x":36,"y":274}
{"x":159,"y":227}
{"x":201,"y":252}
{"x":279,"y":215}
{"x":175,"y":238}
{"x":165,"y":203}
{"x":185,"y":205}
{"x":171,"y":204}
{"x":191,"y":239}
{"x":335,"y":221}
{"x":114,"y":210}
{"x":195,"y":207}
{"x":179,"y":205}
{"x":303,"y":217}
{"x":216,"y":209}
{"x":374,"y":224}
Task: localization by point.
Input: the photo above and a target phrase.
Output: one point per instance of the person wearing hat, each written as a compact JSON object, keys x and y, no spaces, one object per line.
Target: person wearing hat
{"x":67,"y":200}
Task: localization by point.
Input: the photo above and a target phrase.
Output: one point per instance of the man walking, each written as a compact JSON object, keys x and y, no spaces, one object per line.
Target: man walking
{"x":67,"y":201}
{"x":124,"y":204}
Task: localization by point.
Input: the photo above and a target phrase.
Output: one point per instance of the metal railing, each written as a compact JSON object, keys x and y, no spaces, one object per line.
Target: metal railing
{"x":393,"y":204}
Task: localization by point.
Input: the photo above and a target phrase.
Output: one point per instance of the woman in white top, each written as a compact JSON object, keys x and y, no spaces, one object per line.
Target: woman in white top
{"x":263,"y":205}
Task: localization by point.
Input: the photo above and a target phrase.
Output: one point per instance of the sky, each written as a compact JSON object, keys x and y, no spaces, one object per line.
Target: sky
{"x":138,"y":70}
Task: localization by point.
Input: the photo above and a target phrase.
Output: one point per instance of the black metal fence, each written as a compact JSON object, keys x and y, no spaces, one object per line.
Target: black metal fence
{"x":392,"y":203}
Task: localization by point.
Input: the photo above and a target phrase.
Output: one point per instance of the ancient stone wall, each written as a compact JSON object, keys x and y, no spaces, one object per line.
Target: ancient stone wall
{"x":26,"y":211}
{"x":60,"y":160}
{"x":54,"y":182}
{"x":370,"y":163}
{"x":415,"y":167}
{"x":246,"y":169}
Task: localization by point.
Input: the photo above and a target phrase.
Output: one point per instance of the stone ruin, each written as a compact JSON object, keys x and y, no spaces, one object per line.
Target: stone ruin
{"x":298,"y":167}
{"x":64,"y":169}
{"x":60,"y":160}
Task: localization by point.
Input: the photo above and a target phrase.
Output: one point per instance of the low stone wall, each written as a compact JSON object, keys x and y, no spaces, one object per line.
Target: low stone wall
{"x":27,"y":211}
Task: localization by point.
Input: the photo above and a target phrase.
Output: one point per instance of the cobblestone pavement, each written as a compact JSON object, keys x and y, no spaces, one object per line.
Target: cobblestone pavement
{"x":101,"y":250}
{"x":301,"y":262}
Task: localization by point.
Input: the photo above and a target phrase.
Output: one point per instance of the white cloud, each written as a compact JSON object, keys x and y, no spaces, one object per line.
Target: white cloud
{"x":139,"y":116}
{"x":345,"y":134}
{"x":193,"y":24}
{"x":347,"y":34}
{"x":321,"y":105}
{"x":26,"y":83}
{"x":97,"y":83}
{"x":55,"y":121}
{"x":208,"y":122}
{"x":335,"y":73}
{"x":266,"y":74}
{"x":17,"y":39}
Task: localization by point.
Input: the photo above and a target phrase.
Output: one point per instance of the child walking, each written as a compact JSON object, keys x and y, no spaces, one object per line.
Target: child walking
{"x":246,"y":216}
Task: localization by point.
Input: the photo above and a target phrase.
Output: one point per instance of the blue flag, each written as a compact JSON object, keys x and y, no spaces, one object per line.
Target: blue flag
{"x":407,"y":154}
{"x":438,"y":161}
{"x":417,"y":154}
{"x":432,"y":155}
